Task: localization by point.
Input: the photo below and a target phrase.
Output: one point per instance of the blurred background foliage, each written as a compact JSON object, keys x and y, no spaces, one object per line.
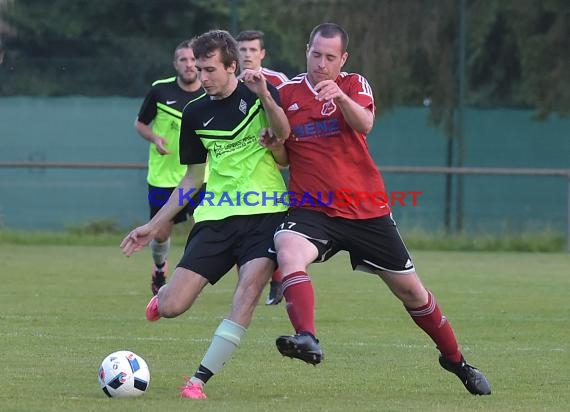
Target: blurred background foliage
{"x":517,"y":51}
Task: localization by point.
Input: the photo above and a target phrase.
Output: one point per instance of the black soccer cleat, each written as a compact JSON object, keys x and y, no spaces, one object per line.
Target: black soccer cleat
{"x":275,"y":293}
{"x":473,"y":379}
{"x":303,"y":346}
{"x":158,"y":277}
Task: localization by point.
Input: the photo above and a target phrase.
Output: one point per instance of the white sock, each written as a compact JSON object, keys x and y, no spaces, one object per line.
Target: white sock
{"x":225,"y":341}
{"x":159,"y":251}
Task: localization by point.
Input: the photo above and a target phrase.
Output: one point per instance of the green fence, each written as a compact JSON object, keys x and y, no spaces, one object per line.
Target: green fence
{"x":87,"y":130}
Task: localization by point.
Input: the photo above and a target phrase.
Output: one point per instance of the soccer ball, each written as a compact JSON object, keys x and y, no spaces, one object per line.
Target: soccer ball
{"x":124,"y":374}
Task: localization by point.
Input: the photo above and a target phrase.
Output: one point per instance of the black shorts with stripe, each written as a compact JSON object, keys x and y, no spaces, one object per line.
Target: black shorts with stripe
{"x":216,"y":246}
{"x":158,"y":196}
{"x":373,"y":244}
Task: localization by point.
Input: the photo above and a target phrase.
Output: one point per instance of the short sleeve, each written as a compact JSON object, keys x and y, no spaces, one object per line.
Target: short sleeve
{"x":361,"y":92}
{"x":147,"y":112}
{"x":192,"y":151}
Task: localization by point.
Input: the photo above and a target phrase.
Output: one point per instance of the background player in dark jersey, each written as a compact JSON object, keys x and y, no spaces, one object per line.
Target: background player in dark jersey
{"x":344,"y":204}
{"x":251,"y":53}
{"x":158,"y":122}
{"x":224,"y":127}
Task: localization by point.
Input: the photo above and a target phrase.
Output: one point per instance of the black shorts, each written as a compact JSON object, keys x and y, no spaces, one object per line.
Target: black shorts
{"x":373,"y":244}
{"x":158,"y":196}
{"x":215,"y":246}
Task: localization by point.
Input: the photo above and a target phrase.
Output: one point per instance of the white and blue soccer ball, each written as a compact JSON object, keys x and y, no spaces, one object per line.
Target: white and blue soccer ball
{"x":124,"y":374}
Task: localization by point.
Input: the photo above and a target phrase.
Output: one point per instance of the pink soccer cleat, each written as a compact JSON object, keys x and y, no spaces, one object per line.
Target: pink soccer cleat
{"x":152,"y":310}
{"x":192,"y":391}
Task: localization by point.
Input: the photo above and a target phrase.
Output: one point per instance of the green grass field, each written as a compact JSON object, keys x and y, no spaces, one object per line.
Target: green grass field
{"x":63,"y":308}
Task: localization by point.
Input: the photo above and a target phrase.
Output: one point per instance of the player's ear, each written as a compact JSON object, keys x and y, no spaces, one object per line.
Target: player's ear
{"x":232,"y":68}
{"x":343,"y":58}
{"x":262,"y":54}
{"x":175,"y":59}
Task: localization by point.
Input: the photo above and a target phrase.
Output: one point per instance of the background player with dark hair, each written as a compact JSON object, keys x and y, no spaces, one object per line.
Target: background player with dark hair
{"x":252,"y":52}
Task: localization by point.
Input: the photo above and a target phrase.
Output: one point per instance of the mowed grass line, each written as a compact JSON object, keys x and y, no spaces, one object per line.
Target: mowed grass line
{"x":63,"y":308}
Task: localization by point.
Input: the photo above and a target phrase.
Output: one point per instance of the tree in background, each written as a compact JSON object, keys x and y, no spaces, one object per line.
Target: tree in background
{"x":4,"y":28}
{"x":104,"y":47}
{"x":517,"y":50}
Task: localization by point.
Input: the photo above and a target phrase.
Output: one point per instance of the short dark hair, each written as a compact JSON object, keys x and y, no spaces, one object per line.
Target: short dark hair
{"x":248,"y":35}
{"x":328,"y":31}
{"x":186,"y":44}
{"x":206,"y":44}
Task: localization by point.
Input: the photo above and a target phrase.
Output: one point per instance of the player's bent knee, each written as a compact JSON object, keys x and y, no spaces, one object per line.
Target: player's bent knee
{"x":171,"y":306}
{"x":412,"y":297}
{"x":170,"y":310}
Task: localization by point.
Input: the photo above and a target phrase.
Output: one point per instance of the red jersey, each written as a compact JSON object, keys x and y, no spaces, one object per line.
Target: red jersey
{"x":273,"y":77}
{"x":330,"y":167}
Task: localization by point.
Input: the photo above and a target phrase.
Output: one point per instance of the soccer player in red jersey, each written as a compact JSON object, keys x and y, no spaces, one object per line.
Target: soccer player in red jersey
{"x":251,"y":54}
{"x":339,"y":203}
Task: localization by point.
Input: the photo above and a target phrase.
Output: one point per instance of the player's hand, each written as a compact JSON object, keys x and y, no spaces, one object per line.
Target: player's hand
{"x":137,"y":239}
{"x":254,"y":80}
{"x":328,"y":90}
{"x":268,"y":139}
{"x":160,"y":144}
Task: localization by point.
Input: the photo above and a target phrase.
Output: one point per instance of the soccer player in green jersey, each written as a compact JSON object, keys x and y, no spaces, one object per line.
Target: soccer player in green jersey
{"x":234,"y":126}
{"x":158,"y":122}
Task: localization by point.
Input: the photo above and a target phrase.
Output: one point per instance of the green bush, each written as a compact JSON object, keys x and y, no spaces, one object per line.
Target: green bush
{"x":108,"y":233}
{"x":95,"y":227}
{"x":547,"y":241}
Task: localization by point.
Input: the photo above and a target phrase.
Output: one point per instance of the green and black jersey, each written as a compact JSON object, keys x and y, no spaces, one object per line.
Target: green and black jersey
{"x":243,"y":176}
{"x":163,"y":107}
